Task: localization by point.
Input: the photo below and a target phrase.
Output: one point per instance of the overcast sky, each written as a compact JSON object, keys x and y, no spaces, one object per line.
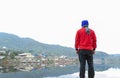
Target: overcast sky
{"x":56,"y":21}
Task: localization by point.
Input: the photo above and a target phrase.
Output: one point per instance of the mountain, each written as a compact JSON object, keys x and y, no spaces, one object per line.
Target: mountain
{"x":11,"y":41}
{"x":14,"y":42}
{"x":101,"y":54}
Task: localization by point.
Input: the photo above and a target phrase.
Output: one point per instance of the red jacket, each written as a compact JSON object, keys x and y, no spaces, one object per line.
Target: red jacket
{"x":86,"y":41}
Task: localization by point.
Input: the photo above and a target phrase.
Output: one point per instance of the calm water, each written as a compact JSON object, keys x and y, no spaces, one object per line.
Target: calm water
{"x":110,"y":73}
{"x":101,"y":70}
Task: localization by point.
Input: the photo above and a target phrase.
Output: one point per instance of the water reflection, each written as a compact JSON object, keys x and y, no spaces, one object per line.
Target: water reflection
{"x":38,"y":70}
{"x":110,"y":73}
{"x":37,"y":66}
{"x":9,"y":69}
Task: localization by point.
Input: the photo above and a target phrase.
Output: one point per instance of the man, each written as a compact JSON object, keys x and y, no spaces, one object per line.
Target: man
{"x":85,"y":45}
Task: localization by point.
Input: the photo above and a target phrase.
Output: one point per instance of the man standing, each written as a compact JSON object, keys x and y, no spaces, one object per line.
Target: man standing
{"x":85,"y":45}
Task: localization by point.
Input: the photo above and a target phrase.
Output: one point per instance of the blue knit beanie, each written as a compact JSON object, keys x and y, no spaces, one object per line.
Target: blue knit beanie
{"x":84,"y":23}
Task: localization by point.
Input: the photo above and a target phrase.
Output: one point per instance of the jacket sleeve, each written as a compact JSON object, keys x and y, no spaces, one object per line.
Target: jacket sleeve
{"x":77,"y":39}
{"x":94,"y":40}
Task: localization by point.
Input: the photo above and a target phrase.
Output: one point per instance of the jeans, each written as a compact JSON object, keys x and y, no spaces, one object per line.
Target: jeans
{"x":86,"y":55}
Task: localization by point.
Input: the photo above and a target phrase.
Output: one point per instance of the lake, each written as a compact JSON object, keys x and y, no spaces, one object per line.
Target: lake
{"x":110,"y":73}
{"x":71,"y":71}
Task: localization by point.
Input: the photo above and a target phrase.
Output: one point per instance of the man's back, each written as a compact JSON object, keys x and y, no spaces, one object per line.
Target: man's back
{"x":85,"y":40}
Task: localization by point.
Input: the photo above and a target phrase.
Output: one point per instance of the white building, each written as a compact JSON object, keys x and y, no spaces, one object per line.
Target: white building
{"x":26,"y":55}
{"x":62,"y":57}
{"x":1,"y":57}
{"x":2,"y":51}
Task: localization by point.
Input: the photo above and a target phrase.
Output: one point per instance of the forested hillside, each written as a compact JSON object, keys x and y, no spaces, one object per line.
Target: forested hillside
{"x":14,"y":42}
{"x":11,"y":41}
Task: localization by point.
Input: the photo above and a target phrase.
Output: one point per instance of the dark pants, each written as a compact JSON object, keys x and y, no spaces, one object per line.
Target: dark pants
{"x":86,"y":55}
